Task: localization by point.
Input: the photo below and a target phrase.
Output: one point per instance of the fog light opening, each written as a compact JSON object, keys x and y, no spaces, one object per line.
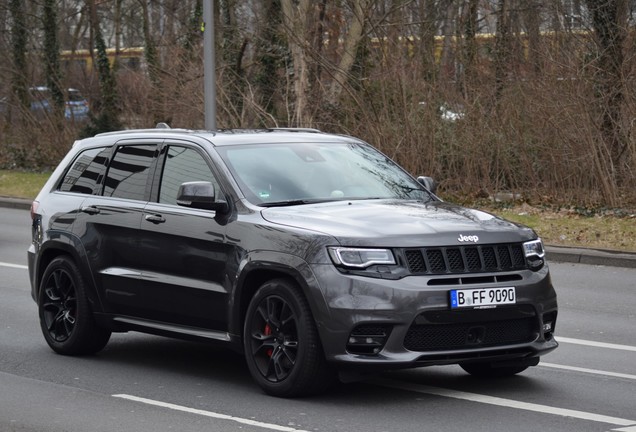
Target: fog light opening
{"x":549,"y":323}
{"x":535,"y":263}
{"x":547,"y":327}
{"x":368,"y":339}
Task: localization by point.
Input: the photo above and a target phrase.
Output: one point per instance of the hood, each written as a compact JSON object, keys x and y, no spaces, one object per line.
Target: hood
{"x":399,"y":223}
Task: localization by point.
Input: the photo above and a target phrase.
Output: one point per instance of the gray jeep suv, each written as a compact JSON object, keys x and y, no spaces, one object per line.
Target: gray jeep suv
{"x":311,"y":253}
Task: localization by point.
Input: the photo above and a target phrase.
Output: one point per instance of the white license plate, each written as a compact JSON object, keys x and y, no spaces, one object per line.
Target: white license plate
{"x":482,"y":297}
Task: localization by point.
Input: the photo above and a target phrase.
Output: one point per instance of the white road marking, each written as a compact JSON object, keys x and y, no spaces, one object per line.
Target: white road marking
{"x":18,"y":266}
{"x":596,"y":344}
{"x":590,"y":371}
{"x":507,"y":403}
{"x":208,"y":414}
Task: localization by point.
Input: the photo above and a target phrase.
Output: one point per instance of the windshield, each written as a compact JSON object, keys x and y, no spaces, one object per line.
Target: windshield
{"x":287,"y":174}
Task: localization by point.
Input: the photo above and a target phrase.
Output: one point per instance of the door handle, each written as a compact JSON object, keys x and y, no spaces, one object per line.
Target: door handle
{"x":91,"y":210}
{"x":155,"y":218}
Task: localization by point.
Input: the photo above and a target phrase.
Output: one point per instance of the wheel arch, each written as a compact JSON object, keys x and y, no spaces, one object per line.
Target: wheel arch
{"x":74,"y":250}
{"x":256,"y":272}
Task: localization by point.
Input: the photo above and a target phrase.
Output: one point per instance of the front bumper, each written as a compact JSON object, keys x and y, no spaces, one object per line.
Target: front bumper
{"x":419,"y":327}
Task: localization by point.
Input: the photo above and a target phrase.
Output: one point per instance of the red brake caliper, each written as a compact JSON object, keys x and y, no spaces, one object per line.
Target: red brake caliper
{"x":268,"y":332}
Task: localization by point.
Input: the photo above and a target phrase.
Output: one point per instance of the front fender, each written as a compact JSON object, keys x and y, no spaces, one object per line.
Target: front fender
{"x":260,"y":266}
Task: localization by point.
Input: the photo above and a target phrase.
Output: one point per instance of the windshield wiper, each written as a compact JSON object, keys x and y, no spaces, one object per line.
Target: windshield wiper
{"x":294,"y":202}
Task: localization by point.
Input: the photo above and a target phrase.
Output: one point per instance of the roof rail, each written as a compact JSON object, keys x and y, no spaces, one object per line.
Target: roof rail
{"x":153,"y":130}
{"x":312,"y":130}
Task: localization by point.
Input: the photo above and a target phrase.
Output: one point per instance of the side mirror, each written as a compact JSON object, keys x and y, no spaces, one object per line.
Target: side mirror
{"x":428,"y":183}
{"x":200,"y":195}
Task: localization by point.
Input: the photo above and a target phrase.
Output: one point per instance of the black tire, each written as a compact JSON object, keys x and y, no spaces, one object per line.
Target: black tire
{"x":282,"y":347}
{"x":492,"y":370}
{"x":66,"y":319}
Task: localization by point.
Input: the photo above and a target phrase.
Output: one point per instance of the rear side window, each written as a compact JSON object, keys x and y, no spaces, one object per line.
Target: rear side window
{"x":128,"y":172}
{"x":86,"y":171}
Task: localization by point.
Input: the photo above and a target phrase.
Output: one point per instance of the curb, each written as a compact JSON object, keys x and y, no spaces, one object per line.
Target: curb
{"x":16,"y":203}
{"x":553,"y":253}
{"x":590,"y":256}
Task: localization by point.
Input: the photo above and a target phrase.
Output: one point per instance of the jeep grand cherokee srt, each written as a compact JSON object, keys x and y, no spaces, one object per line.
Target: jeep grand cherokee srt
{"x":311,"y":253}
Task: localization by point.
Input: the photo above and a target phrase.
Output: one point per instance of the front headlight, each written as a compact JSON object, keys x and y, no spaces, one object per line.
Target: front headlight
{"x":534,"y":253}
{"x":534,"y":248}
{"x":360,"y":258}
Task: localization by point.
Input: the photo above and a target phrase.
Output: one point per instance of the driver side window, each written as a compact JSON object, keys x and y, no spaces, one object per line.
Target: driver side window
{"x":182,"y":164}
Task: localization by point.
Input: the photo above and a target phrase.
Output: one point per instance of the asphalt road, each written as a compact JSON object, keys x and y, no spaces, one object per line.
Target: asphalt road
{"x":146,"y":383}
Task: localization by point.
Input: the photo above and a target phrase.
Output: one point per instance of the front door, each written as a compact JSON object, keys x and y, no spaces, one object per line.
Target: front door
{"x":184,"y":253}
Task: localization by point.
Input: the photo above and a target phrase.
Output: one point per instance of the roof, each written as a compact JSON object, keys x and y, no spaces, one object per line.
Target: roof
{"x":234,"y":136}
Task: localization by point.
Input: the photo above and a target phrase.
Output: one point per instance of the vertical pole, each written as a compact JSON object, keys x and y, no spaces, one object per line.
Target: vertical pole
{"x":209,"y":75}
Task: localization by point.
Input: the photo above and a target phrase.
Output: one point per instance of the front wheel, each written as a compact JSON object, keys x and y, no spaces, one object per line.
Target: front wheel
{"x":282,"y":347}
{"x":66,"y":320}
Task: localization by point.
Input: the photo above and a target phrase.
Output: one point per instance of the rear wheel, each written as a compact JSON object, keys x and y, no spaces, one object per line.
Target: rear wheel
{"x":282,"y":348}
{"x":494,"y":370}
{"x":66,"y":320}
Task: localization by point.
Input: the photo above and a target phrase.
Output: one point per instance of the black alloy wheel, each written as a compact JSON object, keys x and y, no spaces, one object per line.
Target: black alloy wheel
{"x":59,"y":307}
{"x":282,"y":346}
{"x":66,"y":319}
{"x":274,"y":338}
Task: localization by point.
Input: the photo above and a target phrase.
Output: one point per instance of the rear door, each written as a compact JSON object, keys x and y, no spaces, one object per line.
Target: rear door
{"x":108,"y":226}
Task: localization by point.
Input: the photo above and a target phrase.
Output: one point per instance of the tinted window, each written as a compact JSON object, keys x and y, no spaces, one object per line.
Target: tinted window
{"x":128,"y":172}
{"x":86,"y":170}
{"x":182,"y":165}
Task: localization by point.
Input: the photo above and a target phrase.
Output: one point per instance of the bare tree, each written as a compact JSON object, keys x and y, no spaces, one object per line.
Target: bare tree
{"x":558,"y":70}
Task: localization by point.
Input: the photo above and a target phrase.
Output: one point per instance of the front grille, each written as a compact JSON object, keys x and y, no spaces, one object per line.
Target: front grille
{"x":465,"y":259}
{"x":441,"y":337}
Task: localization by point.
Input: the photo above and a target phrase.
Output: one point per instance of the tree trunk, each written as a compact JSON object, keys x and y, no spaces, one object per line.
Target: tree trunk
{"x":448,"y":32}
{"x":154,"y":68}
{"x":52,"y":59}
{"x":19,"y":36}
{"x":503,"y":47}
{"x":233,"y":50}
{"x":118,"y":33}
{"x":429,"y":17}
{"x":295,"y":17}
{"x":609,"y":20}
{"x":352,"y":40}
{"x":469,"y":73}
{"x":193,"y":31}
{"x":532,"y":18}
{"x":270,"y":59}
{"x":107,"y":119}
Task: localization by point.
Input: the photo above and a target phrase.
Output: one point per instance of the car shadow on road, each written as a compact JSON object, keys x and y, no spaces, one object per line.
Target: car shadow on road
{"x":217,"y":367}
